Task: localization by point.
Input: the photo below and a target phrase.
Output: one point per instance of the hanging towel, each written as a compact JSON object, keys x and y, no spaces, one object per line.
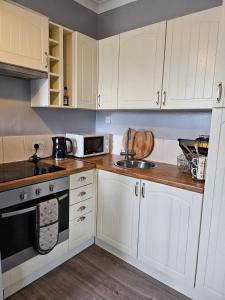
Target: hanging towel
{"x":47,"y":226}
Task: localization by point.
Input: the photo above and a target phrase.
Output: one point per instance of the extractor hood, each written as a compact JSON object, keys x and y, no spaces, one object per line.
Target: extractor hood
{"x":20,"y":72}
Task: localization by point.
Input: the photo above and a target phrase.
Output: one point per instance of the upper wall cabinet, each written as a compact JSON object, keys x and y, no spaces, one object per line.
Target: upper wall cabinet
{"x":108,"y":60}
{"x":141,"y":67}
{"x":190,"y":59}
{"x":23,"y":37}
{"x":85,"y":71}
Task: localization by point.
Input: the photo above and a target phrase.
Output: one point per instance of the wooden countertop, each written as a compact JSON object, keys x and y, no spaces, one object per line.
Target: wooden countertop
{"x":162,"y":173}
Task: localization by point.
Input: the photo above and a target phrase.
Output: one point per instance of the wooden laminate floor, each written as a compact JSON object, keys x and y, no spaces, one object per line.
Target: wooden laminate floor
{"x":95,"y":274}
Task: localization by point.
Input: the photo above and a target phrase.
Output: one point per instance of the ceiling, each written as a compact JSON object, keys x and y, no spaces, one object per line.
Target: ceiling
{"x":100,"y":6}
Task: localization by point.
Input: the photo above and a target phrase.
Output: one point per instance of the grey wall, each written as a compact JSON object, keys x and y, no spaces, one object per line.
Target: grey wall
{"x":164,"y":124}
{"x":144,"y":12}
{"x":18,"y":118}
{"x":67,"y":13}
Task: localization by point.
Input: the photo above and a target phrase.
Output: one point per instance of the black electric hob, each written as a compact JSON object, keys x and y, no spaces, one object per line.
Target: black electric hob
{"x":23,"y":169}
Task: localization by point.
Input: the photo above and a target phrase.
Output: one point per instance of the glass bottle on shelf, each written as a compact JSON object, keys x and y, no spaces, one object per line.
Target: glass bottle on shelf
{"x":65,"y":97}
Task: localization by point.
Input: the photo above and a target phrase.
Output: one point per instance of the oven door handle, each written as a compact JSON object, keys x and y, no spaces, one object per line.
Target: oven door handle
{"x":17,"y":212}
{"x":63,"y":196}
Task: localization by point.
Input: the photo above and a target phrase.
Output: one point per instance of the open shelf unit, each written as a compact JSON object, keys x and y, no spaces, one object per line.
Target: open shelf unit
{"x":68,"y":63}
{"x":49,"y":92}
{"x":55,"y":64}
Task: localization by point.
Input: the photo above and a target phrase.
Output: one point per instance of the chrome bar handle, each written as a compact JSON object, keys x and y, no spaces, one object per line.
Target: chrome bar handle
{"x":81,"y":194}
{"x":99,"y":100}
{"x":46,"y":65}
{"x":18,"y":212}
{"x":219,"y":92}
{"x":81,"y":208}
{"x":158,"y":98}
{"x":81,"y":179}
{"x":136,"y":189}
{"x":164,"y":98}
{"x":81,"y":219}
{"x":143,"y":190}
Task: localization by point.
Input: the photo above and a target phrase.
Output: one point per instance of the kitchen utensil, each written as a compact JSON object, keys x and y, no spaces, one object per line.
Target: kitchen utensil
{"x":59,"y":150}
{"x":143,"y":144}
{"x":131,"y":140}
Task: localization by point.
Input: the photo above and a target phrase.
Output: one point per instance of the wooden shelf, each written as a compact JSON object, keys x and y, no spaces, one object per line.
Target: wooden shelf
{"x":53,"y":42}
{"x":54,"y":58}
{"x":54,"y":91}
{"x":53,"y":74}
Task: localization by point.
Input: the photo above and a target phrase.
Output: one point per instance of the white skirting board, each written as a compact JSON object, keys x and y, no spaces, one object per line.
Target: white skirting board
{"x":47,"y":268}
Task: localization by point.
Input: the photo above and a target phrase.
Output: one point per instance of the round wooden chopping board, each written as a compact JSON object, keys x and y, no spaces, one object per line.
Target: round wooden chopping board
{"x":131,"y":142}
{"x":143,"y":144}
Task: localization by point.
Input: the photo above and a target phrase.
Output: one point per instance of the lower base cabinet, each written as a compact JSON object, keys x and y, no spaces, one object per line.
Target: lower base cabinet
{"x":118,"y":211}
{"x":156,"y":224}
{"x":169,"y":231}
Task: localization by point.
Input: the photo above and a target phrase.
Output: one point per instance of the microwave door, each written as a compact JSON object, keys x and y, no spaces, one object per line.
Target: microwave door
{"x":93,"y":145}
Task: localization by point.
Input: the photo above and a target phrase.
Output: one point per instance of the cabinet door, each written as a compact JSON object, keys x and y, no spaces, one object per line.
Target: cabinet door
{"x":86,"y":71}
{"x":211,"y":266}
{"x":141,"y":67}
{"x":169,"y":232}
{"x":118,"y":211}
{"x":23,"y":37}
{"x":190,"y":58}
{"x":108,"y":60}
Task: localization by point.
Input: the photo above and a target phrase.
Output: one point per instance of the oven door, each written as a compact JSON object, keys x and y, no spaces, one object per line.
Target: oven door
{"x":93,"y":145}
{"x":18,"y":226}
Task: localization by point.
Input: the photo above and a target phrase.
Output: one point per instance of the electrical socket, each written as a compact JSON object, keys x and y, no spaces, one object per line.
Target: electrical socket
{"x":41,"y":145}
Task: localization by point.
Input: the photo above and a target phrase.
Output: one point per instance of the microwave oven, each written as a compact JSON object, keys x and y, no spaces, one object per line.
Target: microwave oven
{"x":92,"y":144}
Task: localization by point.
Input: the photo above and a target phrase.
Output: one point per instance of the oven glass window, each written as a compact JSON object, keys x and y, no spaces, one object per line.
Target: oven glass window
{"x":93,"y":145}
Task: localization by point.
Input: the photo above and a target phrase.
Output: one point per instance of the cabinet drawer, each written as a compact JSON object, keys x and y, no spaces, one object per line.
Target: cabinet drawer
{"x":81,"y":230}
{"x":81,"y":194}
{"x":81,"y":208}
{"x":81,"y":179}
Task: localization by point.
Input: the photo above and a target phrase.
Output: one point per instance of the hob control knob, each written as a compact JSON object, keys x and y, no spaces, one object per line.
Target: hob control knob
{"x":38,"y":191}
{"x":23,"y":196}
{"x":51,"y":188}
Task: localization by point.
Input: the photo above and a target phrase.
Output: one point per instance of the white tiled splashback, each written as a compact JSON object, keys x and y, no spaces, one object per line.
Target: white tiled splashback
{"x":17,"y":148}
{"x":165,"y":151}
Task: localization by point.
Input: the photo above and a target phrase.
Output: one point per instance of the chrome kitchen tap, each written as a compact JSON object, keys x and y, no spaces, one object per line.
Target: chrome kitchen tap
{"x":126,"y":153}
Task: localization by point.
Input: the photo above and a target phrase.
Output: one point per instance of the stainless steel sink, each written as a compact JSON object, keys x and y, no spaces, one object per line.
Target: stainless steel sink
{"x":135,"y":164}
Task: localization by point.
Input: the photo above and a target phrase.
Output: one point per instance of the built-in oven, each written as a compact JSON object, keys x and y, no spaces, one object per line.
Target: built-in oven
{"x":18,"y":219}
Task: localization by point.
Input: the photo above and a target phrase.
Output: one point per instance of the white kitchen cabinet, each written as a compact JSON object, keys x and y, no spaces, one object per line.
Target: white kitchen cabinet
{"x":85,"y":71}
{"x":169,"y":232}
{"x":141,"y":67}
{"x":118,"y":211}
{"x":108,"y":63}
{"x":211,"y":262}
{"x":24,"y":37}
{"x":190,"y":59}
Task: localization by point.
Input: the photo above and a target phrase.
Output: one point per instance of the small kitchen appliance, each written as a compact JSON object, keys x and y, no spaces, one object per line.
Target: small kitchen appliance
{"x":89,"y":144}
{"x":60,"y":150}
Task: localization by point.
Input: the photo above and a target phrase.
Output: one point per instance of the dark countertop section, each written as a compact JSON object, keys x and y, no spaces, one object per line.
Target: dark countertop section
{"x":162,"y":173}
